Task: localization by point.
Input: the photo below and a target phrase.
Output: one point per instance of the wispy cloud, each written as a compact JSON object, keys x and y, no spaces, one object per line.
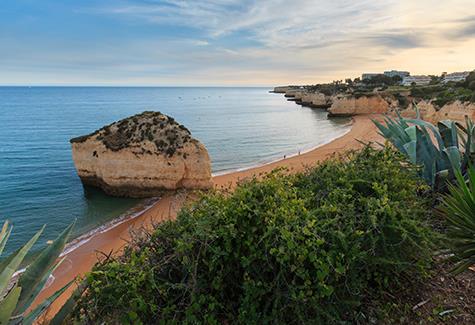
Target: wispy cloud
{"x":249,"y":41}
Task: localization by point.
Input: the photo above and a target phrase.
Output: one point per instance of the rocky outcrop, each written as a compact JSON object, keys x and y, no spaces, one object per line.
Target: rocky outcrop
{"x":141,"y":156}
{"x":456,"y":111}
{"x":352,"y":105}
{"x":316,"y":100}
{"x":292,"y":92}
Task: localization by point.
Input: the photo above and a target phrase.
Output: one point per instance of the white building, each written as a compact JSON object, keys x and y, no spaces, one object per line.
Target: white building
{"x":455,"y":77}
{"x":418,"y":80}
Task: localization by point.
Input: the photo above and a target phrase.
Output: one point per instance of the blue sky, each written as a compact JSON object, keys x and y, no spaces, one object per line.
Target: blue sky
{"x":229,"y":42}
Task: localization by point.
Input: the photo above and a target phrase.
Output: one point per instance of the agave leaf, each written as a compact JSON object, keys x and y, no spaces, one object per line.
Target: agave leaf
{"x":453,"y":155}
{"x":69,"y":305}
{"x":7,"y":305}
{"x":430,"y":126}
{"x":35,"y":313}
{"x":448,"y":132}
{"x":16,"y":260}
{"x":425,"y":156}
{"x":401,"y":120}
{"x":7,"y":260}
{"x":411,"y":151}
{"x":34,"y":293}
{"x":4,"y":235}
{"x":37,"y":270}
{"x":411,"y":132}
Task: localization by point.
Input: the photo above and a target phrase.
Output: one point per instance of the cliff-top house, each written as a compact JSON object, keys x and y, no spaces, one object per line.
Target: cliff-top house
{"x":389,"y":73}
{"x":454,"y":77}
{"x":418,"y":80}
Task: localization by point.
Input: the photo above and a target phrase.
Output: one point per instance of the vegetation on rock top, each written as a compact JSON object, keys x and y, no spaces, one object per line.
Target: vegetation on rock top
{"x":163,"y":131}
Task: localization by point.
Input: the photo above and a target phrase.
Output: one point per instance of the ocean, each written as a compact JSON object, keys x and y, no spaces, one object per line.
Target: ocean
{"x":241,"y":127}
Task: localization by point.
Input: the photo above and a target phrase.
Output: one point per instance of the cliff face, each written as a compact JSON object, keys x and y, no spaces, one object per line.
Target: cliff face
{"x":317,"y":100}
{"x":454,"y":111}
{"x":351,"y":105}
{"x":141,"y":156}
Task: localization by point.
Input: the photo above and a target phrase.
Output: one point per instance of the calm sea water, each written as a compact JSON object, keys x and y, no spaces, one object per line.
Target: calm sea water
{"x":240,"y":127}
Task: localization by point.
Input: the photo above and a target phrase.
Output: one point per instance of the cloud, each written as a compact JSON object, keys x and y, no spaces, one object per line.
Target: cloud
{"x":200,"y":42}
{"x":273,"y":23}
{"x":467,"y":30}
{"x":404,"y":40}
{"x":240,"y":41}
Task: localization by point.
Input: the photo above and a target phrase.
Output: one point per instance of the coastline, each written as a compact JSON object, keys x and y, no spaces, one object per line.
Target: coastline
{"x":111,"y":240}
{"x":287,"y":155}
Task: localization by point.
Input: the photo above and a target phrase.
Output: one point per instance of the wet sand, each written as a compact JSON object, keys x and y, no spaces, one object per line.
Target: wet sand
{"x":113,"y":240}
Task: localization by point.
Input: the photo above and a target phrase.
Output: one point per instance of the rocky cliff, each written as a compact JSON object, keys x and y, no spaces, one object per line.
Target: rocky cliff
{"x":456,"y":111}
{"x":352,"y":105}
{"x":141,"y":156}
{"x":316,"y":100}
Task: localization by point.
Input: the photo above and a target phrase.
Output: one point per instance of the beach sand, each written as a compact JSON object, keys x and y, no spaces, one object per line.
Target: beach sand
{"x":112,"y":241}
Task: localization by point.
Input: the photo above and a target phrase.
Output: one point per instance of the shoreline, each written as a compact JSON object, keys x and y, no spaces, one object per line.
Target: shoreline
{"x":79,"y":259}
{"x":287,"y":155}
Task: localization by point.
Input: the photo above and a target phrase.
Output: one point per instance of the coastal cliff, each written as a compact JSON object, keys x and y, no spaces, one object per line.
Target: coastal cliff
{"x":352,"y":105}
{"x":141,"y":156}
{"x":456,"y":111}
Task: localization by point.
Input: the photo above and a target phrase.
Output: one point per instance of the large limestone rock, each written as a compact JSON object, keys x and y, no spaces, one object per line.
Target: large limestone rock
{"x":351,"y":105}
{"x":141,"y":156}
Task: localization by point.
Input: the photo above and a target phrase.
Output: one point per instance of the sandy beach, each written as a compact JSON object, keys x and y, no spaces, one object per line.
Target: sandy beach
{"x":80,"y":260}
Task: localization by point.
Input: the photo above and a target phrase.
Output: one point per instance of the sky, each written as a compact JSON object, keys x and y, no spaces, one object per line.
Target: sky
{"x":229,"y":42}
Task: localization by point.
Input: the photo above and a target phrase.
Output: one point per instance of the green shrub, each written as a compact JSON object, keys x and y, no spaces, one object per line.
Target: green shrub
{"x":304,"y":249}
{"x":459,"y":208}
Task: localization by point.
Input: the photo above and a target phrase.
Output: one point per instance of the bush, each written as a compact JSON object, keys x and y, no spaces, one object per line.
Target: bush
{"x":459,"y":208}
{"x":289,"y":249}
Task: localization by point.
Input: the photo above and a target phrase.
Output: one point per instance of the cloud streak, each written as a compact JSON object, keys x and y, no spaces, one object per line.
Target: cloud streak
{"x":249,"y":42}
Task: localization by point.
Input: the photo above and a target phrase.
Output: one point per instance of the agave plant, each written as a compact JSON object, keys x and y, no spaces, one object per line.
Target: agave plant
{"x":441,"y":151}
{"x":459,"y":208}
{"x":17,"y":293}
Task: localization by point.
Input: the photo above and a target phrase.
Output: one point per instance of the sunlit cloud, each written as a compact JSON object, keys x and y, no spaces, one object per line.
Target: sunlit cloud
{"x":227,"y":42}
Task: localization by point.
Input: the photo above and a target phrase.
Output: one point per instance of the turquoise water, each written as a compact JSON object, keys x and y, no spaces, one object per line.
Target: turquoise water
{"x":241,"y":127}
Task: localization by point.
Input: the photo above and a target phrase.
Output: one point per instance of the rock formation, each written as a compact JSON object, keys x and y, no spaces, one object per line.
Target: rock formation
{"x":352,"y":105}
{"x":316,"y":100}
{"x":456,"y":111}
{"x":141,"y":156}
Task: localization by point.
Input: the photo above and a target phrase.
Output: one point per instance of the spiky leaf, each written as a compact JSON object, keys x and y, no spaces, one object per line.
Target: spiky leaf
{"x":7,"y":305}
{"x":16,"y":260}
{"x":36,"y":271}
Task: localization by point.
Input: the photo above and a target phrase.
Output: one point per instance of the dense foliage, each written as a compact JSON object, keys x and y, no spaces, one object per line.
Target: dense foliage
{"x":297,"y":249}
{"x":459,"y":207}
